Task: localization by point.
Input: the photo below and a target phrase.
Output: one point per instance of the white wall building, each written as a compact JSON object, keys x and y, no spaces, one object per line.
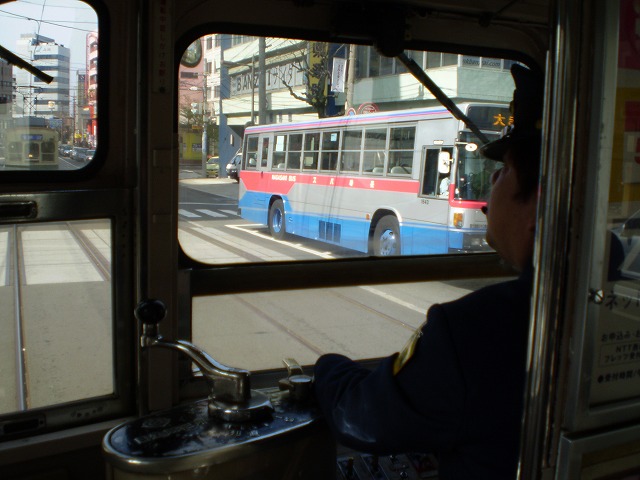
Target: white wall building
{"x":33,"y":96}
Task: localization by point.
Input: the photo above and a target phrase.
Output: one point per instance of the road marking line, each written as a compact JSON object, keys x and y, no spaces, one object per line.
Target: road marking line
{"x":297,"y":246}
{"x":393,"y":299}
{"x":247,"y":245}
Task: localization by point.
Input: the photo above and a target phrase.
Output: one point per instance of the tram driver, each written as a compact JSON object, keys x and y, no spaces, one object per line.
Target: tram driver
{"x":456,"y":390}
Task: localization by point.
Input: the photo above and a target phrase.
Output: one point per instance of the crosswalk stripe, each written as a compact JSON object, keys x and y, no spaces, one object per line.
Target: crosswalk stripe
{"x":230,"y":212}
{"x":211,"y":213}
{"x":187,"y":213}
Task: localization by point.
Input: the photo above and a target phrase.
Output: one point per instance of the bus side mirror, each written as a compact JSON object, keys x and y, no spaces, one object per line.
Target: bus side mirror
{"x":444,"y":162}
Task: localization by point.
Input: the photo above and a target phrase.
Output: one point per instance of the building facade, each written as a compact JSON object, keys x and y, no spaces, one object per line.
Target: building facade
{"x":6,"y":94}
{"x":91,"y":83}
{"x":33,"y":96}
{"x":290,"y":80}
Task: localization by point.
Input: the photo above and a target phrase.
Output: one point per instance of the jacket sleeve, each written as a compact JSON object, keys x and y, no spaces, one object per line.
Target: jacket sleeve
{"x":417,"y":409}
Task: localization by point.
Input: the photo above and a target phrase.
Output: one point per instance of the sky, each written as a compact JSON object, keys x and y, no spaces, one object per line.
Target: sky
{"x":66,"y":21}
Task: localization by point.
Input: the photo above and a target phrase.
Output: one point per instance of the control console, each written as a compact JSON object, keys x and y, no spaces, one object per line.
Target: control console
{"x":410,"y":466}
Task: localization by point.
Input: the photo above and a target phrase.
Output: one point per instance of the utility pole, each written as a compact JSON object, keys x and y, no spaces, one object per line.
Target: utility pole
{"x":253,"y":89}
{"x":351,"y":73}
{"x":205,"y":138}
{"x":262,"y":82}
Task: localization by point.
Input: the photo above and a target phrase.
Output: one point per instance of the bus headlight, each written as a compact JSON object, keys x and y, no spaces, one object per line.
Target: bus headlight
{"x":458,"y":220}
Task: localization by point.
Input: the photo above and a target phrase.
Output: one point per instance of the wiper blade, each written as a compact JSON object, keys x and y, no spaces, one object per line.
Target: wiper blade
{"x":20,"y":63}
{"x":423,"y":78}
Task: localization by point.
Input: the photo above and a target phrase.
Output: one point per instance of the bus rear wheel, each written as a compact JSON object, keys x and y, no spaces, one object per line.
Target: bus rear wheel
{"x":277,"y":227}
{"x":386,"y":237}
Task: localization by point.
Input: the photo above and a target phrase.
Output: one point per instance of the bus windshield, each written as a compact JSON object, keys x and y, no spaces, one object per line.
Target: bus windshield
{"x":473,"y":173}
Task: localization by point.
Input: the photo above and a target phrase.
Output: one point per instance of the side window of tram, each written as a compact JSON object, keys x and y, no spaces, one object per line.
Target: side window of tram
{"x":49,"y":126}
{"x":61,"y":273}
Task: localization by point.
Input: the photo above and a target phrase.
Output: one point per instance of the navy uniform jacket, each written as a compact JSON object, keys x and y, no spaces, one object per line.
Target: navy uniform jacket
{"x":459,"y":396}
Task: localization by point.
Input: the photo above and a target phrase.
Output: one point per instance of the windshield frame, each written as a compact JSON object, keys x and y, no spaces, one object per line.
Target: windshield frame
{"x":470,"y":187}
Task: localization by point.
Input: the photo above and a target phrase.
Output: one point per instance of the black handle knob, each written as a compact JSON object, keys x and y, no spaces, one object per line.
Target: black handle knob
{"x":150,"y":312}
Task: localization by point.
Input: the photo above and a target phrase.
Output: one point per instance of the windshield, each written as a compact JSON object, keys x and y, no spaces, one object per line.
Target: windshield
{"x":473,"y":176}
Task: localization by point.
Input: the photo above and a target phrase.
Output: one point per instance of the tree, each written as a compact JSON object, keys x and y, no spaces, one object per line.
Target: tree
{"x":311,"y":59}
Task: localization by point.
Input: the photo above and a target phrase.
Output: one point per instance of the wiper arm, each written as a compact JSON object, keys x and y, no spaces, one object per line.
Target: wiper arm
{"x":20,"y":63}
{"x":423,"y":78}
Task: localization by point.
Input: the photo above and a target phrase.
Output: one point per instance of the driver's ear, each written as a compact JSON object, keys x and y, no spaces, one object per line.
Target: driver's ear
{"x":531,"y":210}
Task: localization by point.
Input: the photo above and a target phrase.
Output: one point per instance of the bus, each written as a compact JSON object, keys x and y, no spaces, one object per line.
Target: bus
{"x":389,"y":183}
{"x":31,"y":146}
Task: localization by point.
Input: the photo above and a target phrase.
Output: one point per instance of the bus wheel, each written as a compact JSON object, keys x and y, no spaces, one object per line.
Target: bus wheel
{"x":386,"y":238}
{"x":276,"y":220}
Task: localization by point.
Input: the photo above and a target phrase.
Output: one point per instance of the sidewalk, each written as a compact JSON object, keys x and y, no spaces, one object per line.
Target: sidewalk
{"x":191,"y":177}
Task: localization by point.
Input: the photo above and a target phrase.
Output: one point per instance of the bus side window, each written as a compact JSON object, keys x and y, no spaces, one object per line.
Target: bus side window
{"x":401,"y":147}
{"x":329,"y":155}
{"x":430,"y":173}
{"x":279,"y":152}
{"x":311,"y":147}
{"x":252,"y":153}
{"x":265,"y":152}
{"x":294,"y":151}
{"x":375,"y":143}
{"x":351,"y":147}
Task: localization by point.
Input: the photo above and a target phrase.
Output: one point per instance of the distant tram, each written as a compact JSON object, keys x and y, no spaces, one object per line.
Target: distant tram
{"x":31,"y":144}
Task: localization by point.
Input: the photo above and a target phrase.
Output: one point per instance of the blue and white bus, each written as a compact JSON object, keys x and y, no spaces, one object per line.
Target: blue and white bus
{"x":390,"y":183}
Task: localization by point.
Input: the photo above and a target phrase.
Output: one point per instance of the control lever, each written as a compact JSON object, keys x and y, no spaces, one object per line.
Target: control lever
{"x":230,"y":395}
{"x":298,"y":384}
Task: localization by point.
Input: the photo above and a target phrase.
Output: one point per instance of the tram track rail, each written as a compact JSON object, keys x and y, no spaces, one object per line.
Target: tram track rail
{"x":22,"y":385}
{"x":102,"y":264}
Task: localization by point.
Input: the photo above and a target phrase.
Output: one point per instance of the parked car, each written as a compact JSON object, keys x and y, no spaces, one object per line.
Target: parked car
{"x":233,"y":167}
{"x":213,"y":167}
{"x":88,"y":156}
{"x":78,"y":153}
{"x":65,"y":150}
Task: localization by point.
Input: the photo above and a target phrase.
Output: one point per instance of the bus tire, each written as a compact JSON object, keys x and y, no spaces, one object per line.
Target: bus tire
{"x":277,"y":226}
{"x":386,"y":237}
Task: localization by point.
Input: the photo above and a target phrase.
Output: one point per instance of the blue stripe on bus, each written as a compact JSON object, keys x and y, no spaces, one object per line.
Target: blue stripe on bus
{"x":416,"y":238}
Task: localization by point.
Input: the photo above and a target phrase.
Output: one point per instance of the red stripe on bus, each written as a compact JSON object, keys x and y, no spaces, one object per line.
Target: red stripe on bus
{"x":473,"y":204}
{"x":282,"y":183}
